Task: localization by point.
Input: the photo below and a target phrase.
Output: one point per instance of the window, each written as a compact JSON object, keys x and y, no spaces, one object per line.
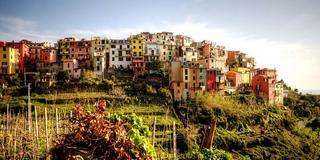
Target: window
{"x":112,"y":52}
{"x":120,"y":46}
{"x":120,"y":58}
{"x":186,"y":85}
{"x":112,"y":58}
{"x":120,"y":53}
{"x":185,"y":77}
{"x":4,"y":55}
{"x":139,"y":47}
{"x":128,"y":59}
{"x":68,"y":65}
{"x":4,"y":48}
{"x":186,"y":71}
{"x":139,"y":41}
{"x":194,"y":78}
{"x":178,"y":84}
{"x":128,"y":46}
{"x":134,"y":41}
{"x":98,"y":68}
{"x":134,"y":47}
{"x":98,"y":59}
{"x":113,"y":46}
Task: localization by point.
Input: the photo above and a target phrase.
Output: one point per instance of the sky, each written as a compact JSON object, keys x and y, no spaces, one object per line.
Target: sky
{"x":281,"y":34}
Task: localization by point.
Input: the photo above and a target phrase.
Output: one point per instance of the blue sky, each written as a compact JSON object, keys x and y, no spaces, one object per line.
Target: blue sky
{"x":282,"y":34}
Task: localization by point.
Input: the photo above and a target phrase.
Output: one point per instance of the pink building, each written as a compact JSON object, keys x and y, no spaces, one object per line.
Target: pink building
{"x":48,"y":55}
{"x":72,"y":67}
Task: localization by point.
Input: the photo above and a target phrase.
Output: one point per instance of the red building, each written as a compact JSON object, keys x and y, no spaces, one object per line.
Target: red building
{"x":48,"y":55}
{"x":263,"y":84}
{"x":2,"y":43}
{"x":23,"y":49}
{"x":138,"y":66}
{"x":211,"y":80}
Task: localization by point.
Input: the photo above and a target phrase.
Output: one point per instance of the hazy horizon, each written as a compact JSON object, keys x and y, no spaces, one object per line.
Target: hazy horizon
{"x":279,"y":34}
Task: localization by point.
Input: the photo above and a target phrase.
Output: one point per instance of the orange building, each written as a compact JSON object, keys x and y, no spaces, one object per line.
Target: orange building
{"x":233,"y":79}
{"x":48,"y":55}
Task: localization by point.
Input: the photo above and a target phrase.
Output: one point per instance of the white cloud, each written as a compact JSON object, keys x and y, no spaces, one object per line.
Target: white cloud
{"x":16,"y":24}
{"x":17,"y":28}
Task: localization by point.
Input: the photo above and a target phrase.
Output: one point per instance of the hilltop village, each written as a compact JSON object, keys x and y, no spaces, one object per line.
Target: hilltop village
{"x":192,"y":67}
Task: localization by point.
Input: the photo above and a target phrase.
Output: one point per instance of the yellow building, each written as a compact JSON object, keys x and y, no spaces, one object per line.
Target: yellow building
{"x":9,"y":60}
{"x":137,"y":44}
{"x":245,"y":74}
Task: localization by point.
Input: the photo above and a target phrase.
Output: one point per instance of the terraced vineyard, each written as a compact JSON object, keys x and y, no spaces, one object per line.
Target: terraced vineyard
{"x":59,"y":108}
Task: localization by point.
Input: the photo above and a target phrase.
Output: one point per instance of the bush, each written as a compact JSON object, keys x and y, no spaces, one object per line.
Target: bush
{"x":209,"y":154}
{"x":96,"y":136}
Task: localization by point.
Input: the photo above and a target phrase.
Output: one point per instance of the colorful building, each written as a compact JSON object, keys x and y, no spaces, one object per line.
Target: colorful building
{"x":233,"y":79}
{"x":48,"y":55}
{"x":245,"y":75}
{"x":120,"y":53}
{"x":152,"y":52}
{"x":138,"y":66}
{"x":23,"y":49}
{"x":189,"y":54}
{"x":81,"y":51}
{"x":100,"y":48}
{"x":176,"y":80}
{"x":263,"y":84}
{"x":9,"y":58}
{"x":182,"y":40}
{"x":211,"y":80}
{"x":137,"y":43}
{"x":72,"y":67}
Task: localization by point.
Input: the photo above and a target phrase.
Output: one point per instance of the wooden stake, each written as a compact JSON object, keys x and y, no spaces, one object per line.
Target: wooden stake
{"x":208,"y":140}
{"x":15,"y":138}
{"x":57,"y":122}
{"x":37,"y":128}
{"x":29,"y":110}
{"x":46,"y":125}
{"x":154,"y":131}
{"x":174,"y":141}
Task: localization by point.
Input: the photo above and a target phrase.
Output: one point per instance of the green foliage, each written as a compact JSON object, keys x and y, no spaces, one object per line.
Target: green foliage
{"x":137,"y":131}
{"x":165,"y":93}
{"x":155,"y":65}
{"x":230,"y":140}
{"x":62,"y":76}
{"x":206,"y":154}
{"x":150,"y":89}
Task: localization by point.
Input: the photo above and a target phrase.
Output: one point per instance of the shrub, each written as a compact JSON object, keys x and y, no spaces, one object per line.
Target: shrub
{"x":96,"y":136}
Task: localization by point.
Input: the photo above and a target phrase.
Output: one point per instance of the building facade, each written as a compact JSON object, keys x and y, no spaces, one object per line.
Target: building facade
{"x":9,"y":58}
{"x":120,"y":55}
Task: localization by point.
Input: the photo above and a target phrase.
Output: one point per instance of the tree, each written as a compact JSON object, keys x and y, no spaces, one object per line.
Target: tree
{"x":62,"y":76}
